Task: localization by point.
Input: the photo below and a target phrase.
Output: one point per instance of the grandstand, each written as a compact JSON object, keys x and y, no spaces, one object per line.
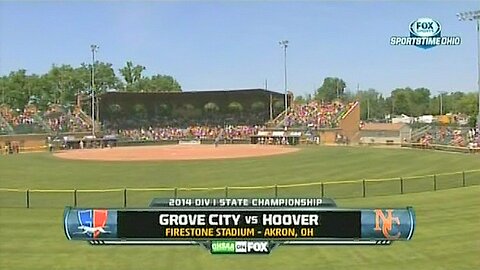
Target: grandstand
{"x":121,"y":110}
{"x":56,"y":119}
{"x":231,"y":114}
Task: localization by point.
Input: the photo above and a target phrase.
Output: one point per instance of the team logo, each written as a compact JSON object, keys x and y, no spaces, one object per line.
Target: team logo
{"x":425,"y":33}
{"x":93,"y":222}
{"x":388,"y":225}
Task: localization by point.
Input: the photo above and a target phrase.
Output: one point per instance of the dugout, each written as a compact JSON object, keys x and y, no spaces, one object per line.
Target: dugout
{"x":276,"y":138}
{"x":385,"y":133}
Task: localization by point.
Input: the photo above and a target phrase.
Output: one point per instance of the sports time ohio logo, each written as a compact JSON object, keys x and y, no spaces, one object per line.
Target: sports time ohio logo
{"x":425,"y":33}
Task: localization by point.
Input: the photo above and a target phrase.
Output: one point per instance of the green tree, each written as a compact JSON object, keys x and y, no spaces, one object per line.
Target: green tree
{"x":131,"y":74}
{"x":16,"y":89}
{"x":331,"y":89}
{"x":400,"y":99}
{"x":468,"y":104}
{"x":62,"y":84}
{"x":156,"y":83}
{"x":105,"y":77}
{"x":3,"y":88}
{"x":419,"y":101}
{"x":372,"y":104}
{"x":164,"y":83}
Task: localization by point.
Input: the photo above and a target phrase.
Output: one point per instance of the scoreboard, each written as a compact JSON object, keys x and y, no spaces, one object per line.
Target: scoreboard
{"x":240,"y":226}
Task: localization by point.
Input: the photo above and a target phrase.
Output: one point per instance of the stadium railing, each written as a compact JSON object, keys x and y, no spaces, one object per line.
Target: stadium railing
{"x":439,"y":147}
{"x":141,"y":197}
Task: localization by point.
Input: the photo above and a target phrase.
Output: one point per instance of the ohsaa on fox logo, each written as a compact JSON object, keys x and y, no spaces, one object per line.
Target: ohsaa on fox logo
{"x":252,"y":247}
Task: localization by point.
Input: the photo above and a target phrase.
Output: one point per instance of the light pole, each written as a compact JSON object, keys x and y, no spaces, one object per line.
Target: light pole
{"x":441,"y":102}
{"x":368,"y":108}
{"x":94,"y":49}
{"x":474,"y":15}
{"x":284,"y":44}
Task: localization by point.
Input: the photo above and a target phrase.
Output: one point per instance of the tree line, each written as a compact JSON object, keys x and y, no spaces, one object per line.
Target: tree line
{"x":61,"y":84}
{"x":408,"y":101}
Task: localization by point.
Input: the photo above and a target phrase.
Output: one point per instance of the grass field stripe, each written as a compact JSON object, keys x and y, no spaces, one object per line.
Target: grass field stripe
{"x":300,"y":185}
{"x":100,"y":190}
{"x":382,"y":179}
{"x":52,"y":190}
{"x":200,"y":188}
{"x":242,"y":187}
{"x":252,"y":187}
{"x":344,"y":182}
{"x":468,"y":171}
{"x":150,"y":189}
{"x":13,"y":190}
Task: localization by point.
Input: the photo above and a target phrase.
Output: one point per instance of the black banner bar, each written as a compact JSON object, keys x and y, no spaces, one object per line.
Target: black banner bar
{"x":166,"y":224}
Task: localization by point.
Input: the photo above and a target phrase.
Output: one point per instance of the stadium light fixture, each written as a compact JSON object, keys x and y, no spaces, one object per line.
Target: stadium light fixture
{"x":94,"y":49}
{"x":471,"y":16}
{"x":284,"y":45}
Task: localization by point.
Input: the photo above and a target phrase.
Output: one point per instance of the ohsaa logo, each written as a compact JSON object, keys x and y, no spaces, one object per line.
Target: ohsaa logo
{"x":425,"y":27}
{"x":425,"y":33}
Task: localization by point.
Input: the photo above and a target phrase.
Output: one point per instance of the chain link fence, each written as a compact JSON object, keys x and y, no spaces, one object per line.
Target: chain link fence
{"x":141,"y":197}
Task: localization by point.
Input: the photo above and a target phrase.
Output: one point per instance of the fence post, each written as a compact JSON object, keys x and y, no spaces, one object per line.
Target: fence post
{"x":463,"y":179}
{"x":322,"y":189}
{"x":28,"y":198}
{"x":364,"y":193}
{"x":434,"y":182}
{"x":75,"y":198}
{"x":175,"y":193}
{"x":226,"y":191}
{"x":401,"y":185}
{"x":276,"y":191}
{"x":124,"y":197}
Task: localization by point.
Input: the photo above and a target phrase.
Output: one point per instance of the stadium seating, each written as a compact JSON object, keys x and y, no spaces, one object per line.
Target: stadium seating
{"x":315,"y":114}
{"x":193,"y":132}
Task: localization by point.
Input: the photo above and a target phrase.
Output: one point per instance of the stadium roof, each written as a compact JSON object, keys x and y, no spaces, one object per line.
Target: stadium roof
{"x":238,"y":91}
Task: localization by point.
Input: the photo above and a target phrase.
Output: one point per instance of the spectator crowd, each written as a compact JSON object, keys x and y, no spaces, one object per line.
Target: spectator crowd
{"x":21,"y":121}
{"x":31,"y":120}
{"x":450,"y":136}
{"x":190,"y":133}
{"x":315,"y":114}
{"x":60,"y":120}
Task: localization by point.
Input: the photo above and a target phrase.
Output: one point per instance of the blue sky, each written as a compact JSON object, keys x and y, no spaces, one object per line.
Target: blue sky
{"x":227,"y":45}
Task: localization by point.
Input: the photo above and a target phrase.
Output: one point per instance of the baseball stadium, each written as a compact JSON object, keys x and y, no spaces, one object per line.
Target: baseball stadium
{"x":263,"y":152}
{"x":82,"y":138}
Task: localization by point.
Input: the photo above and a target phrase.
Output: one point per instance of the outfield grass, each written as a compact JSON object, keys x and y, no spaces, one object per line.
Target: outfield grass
{"x":446,"y":236}
{"x":314,"y":164}
{"x":43,"y":171}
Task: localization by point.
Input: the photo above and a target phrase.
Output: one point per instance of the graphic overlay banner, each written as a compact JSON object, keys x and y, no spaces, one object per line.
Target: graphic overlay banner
{"x":246,"y":229}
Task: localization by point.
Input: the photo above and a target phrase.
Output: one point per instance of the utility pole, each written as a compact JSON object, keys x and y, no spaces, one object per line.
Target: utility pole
{"x":471,"y":16}
{"x":94,"y":49}
{"x":284,"y":45}
{"x":368,"y":108}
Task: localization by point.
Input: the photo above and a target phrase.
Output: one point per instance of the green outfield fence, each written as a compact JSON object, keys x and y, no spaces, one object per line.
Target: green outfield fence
{"x":141,"y":197}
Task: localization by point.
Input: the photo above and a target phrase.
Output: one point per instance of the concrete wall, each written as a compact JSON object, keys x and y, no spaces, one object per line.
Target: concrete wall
{"x":328,"y":136}
{"x":27,"y":142}
{"x":33,"y":142}
{"x":350,"y":125}
{"x":380,"y":140}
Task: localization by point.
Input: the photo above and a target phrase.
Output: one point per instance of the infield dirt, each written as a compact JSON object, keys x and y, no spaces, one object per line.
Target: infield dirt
{"x":175,"y":152}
